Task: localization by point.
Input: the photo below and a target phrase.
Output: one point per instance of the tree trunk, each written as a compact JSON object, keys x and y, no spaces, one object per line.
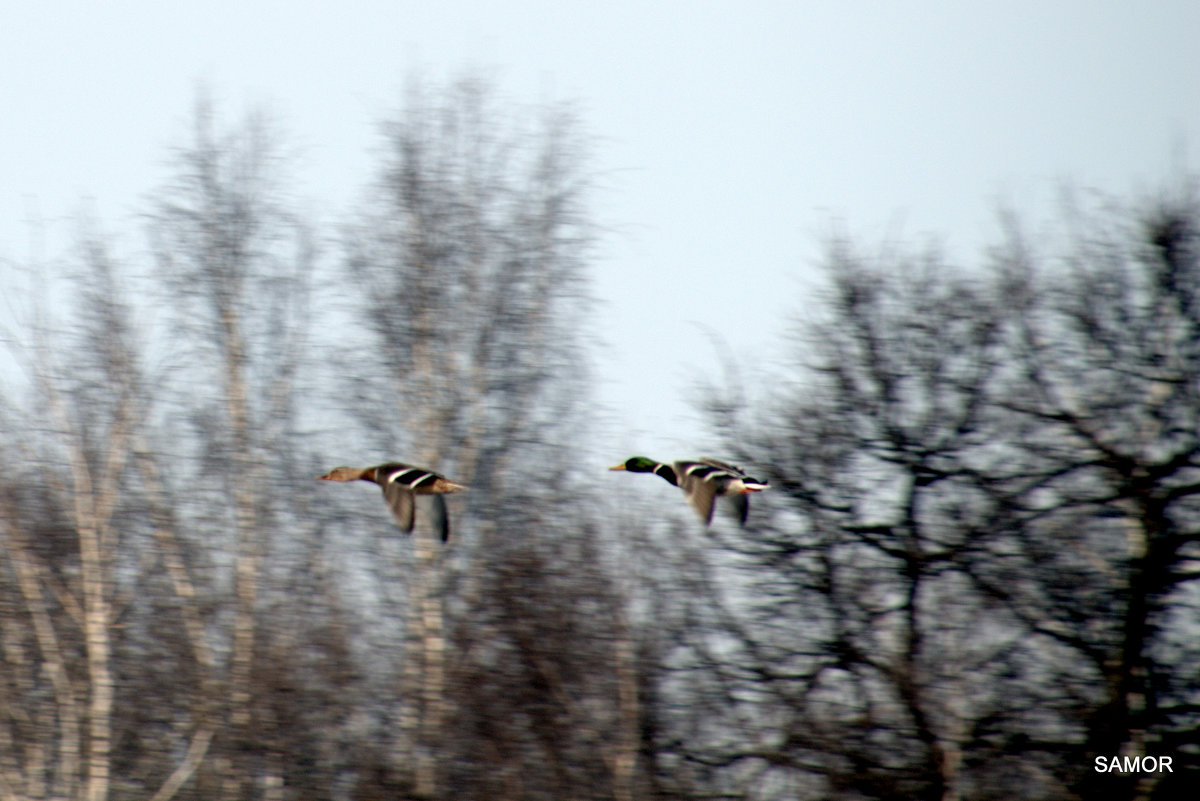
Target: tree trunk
{"x":427,"y":613}
{"x":248,"y":559}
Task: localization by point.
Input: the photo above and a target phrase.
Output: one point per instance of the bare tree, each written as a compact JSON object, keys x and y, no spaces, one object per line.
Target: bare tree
{"x":237,"y":261}
{"x":72,"y":538}
{"x":977,"y":574}
{"x":844,"y":671}
{"x":470,"y":256}
{"x":180,"y":621}
{"x":1109,"y":359}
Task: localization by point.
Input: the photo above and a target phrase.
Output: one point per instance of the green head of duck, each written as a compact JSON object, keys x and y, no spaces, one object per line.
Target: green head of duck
{"x":637,"y":464}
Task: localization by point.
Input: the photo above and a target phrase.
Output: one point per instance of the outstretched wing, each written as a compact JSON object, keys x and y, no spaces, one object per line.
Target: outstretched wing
{"x":702,"y":495}
{"x":702,"y":481}
{"x":402,"y":503}
{"x":402,"y":483}
{"x":404,"y":510}
{"x":741,"y":505}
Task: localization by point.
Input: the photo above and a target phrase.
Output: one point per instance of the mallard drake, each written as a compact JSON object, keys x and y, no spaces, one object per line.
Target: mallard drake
{"x":703,"y":481}
{"x":401,"y":483}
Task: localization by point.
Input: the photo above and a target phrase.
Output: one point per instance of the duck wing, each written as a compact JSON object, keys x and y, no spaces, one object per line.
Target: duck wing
{"x":402,"y":502}
{"x":701,"y":495}
{"x":703,"y":480}
{"x":731,"y":471}
{"x":739,"y":499}
{"x":401,"y":484}
{"x":441,"y":518}
{"x":404,"y":510}
{"x":413,"y":479}
{"x":741,"y":505}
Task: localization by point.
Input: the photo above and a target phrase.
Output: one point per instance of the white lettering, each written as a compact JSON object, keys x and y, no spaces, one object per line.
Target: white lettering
{"x":1134,"y":764}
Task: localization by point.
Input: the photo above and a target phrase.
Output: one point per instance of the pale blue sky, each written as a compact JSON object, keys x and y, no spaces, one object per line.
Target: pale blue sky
{"x":730,"y":136}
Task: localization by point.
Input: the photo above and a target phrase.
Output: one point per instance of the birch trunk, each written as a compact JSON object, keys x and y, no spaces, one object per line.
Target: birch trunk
{"x":427,"y":608}
{"x":248,"y":558}
{"x":97,"y":613}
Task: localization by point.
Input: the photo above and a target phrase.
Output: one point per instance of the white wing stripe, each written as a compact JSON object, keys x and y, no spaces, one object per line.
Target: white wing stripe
{"x":422,"y":475}
{"x":711,"y":472}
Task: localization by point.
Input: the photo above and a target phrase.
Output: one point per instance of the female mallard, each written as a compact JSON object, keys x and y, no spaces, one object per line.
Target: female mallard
{"x":401,"y":483}
{"x":703,"y":481}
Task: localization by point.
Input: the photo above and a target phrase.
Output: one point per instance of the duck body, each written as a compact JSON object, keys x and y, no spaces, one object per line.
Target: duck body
{"x":401,"y":483}
{"x":703,"y":481}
